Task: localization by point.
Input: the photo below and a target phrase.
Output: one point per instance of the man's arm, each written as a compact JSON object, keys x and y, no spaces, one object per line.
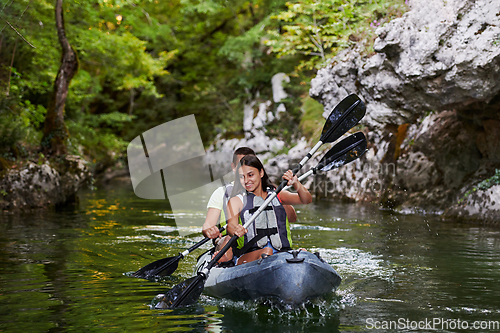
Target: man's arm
{"x":209,"y":228}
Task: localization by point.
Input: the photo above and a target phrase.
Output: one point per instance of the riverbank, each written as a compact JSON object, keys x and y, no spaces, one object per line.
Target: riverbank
{"x":42,"y":184}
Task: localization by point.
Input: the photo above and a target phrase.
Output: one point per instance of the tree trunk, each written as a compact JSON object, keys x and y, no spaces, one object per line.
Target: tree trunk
{"x":55,"y":132}
{"x":131,"y":106}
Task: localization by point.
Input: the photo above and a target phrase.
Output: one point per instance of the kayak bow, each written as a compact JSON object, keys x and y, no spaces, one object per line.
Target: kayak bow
{"x":292,"y":277}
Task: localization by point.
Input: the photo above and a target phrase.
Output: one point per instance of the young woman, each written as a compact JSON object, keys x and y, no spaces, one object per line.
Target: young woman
{"x":217,"y":213}
{"x":270,"y":232}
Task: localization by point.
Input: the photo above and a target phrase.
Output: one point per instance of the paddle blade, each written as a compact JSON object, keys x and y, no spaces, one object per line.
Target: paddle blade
{"x":183,"y":294}
{"x":162,"y":267}
{"x":346,"y":151}
{"x":342,"y":118}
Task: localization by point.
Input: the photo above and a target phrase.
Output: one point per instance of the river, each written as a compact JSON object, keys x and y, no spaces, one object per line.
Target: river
{"x":70,"y":271}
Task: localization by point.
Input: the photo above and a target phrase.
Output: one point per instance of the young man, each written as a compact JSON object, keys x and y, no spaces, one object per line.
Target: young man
{"x":218,"y":200}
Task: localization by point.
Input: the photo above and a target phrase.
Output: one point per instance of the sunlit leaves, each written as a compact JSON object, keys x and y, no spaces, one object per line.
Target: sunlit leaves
{"x":238,"y":48}
{"x":312,"y":27}
{"x":318,"y":29}
{"x":122,"y":60}
{"x":202,"y":6}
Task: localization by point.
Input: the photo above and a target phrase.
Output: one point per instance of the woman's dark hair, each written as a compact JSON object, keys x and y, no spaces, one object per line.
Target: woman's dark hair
{"x":253,"y":161}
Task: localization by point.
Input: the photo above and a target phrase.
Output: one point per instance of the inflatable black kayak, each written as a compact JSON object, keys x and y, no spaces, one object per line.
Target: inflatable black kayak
{"x":293,"y":277}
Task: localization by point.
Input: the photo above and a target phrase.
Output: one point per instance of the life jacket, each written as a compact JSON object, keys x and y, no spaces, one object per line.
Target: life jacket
{"x":271,"y":225}
{"x":228,"y":188}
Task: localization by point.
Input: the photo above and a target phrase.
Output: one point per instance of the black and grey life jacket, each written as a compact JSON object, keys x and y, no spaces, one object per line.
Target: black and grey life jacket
{"x":271,"y":225}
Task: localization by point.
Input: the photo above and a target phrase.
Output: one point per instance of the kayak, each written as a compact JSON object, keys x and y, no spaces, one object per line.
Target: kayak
{"x":292,"y":277}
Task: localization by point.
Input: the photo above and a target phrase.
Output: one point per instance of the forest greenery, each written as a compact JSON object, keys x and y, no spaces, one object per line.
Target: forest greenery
{"x":145,"y":62}
{"x":320,"y":29}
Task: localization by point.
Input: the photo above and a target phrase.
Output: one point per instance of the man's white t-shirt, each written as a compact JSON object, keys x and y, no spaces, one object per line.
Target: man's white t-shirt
{"x":217,"y":199}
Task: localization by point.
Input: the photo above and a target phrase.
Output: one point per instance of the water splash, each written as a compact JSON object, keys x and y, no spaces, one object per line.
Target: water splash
{"x":358,"y":263}
{"x":315,"y":227}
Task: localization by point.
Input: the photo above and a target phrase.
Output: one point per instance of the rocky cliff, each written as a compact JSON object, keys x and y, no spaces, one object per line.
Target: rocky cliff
{"x":43,"y":185}
{"x":433,"y":111}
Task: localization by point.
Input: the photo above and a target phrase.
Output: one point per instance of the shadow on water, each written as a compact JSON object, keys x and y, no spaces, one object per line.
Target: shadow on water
{"x":69,"y":270}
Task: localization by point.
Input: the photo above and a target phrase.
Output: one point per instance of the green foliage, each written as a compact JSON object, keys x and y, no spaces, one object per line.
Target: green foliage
{"x":484,"y":185}
{"x":318,"y":30}
{"x":490,"y":182}
{"x":203,"y":7}
{"x":312,"y":119}
{"x":12,"y":131}
{"x":243,"y":48}
{"x":19,"y":127}
{"x":114,"y":62}
{"x":153,"y":61}
{"x":32,"y":115}
{"x":111,"y":120}
{"x":120,"y":59}
{"x":94,"y":138}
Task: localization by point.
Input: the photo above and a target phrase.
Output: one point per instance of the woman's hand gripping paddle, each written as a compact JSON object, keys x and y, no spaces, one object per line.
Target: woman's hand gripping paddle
{"x":189,"y":291}
{"x":342,"y":118}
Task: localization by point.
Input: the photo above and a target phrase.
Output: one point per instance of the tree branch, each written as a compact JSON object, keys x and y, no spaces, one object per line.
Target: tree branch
{"x":143,"y":11}
{"x":17,"y":32}
{"x":24,"y":11}
{"x":317,"y":41}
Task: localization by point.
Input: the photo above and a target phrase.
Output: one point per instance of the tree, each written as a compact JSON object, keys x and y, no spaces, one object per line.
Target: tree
{"x":55,"y":132}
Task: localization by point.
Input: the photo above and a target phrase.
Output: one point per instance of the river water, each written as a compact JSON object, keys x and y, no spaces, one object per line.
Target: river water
{"x":70,"y":271}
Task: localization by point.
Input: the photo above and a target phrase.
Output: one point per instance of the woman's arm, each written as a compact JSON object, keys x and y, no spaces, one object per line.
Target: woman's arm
{"x":290,"y":213}
{"x":234,"y":208}
{"x":301,"y":197}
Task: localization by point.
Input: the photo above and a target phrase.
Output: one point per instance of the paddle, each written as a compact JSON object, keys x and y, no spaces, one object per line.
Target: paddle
{"x":189,"y":291}
{"x":354,"y":144}
{"x":167,"y":266}
{"x":342,"y":118}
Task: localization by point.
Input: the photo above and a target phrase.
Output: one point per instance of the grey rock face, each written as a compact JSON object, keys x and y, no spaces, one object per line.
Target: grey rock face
{"x":219,"y":154}
{"x":432,"y":96}
{"x":439,"y":55}
{"x":42,"y":186}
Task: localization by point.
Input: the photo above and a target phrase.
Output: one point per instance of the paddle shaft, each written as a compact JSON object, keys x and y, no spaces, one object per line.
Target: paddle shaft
{"x":219,"y":255}
{"x":308,"y":156}
{"x":321,"y":165}
{"x":200,"y":243}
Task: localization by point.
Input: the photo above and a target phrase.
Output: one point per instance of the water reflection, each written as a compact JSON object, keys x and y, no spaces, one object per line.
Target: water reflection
{"x":68,"y":270}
